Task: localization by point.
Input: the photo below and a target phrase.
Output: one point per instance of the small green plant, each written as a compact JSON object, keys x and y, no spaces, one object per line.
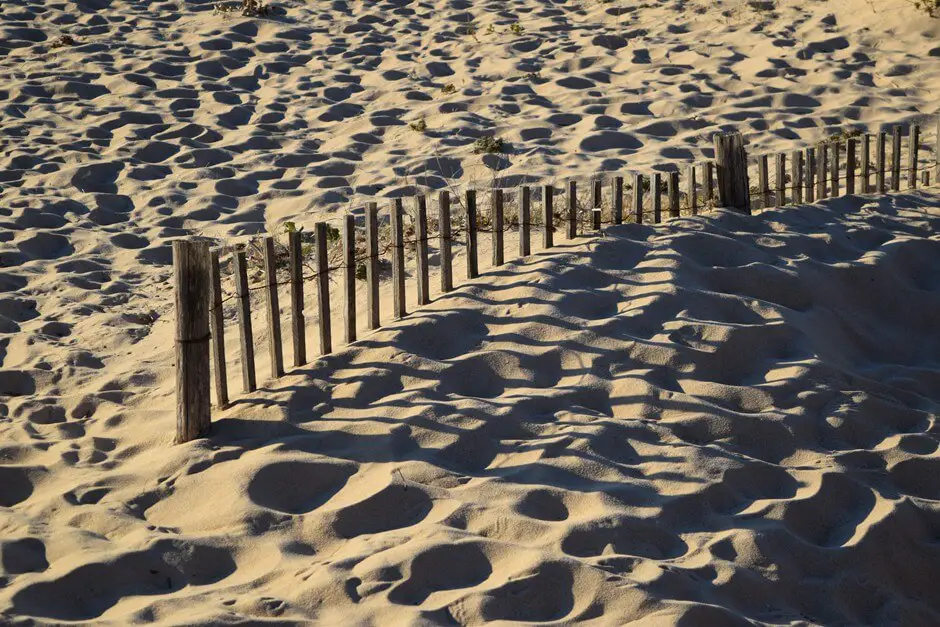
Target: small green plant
{"x":448,"y":89}
{"x":490,"y":29}
{"x":419,"y":126}
{"x":488,"y":145}
{"x":516,"y":29}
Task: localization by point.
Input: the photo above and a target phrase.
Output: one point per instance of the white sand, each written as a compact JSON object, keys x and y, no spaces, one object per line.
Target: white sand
{"x":718,"y":421}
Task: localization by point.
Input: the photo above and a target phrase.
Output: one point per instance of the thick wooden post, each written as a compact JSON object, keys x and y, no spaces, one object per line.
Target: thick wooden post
{"x":275,"y":350}
{"x":656,"y":189}
{"x":597,"y":205}
{"x":298,"y":323}
{"x":731,"y":166}
{"x":896,"y":159}
{"x":323,"y":289}
{"x":399,"y":300}
{"x":246,"y":337}
{"x":913,"y":148}
{"x":821,"y":174}
{"x":572,"y":209}
{"x":447,"y":275}
{"x":525,"y":212}
{"x":925,"y":178}
{"x":850,"y":165}
{"x":638,"y":198}
{"x":421,"y":250}
{"x":693,"y":192}
{"x":616,"y":198}
{"x":191,"y":273}
{"x":834,"y":170}
{"x":709,"y":183}
{"x":796,"y":176}
{"x":673,"y":183}
{"x":497,"y":226}
{"x":372,"y":265}
{"x":866,"y":164}
{"x":217,"y":328}
{"x":936,"y":152}
{"x":473,"y":267}
{"x":880,"y":165}
{"x":349,"y":278}
{"x":548,"y":215}
{"x":780,"y":178}
{"x":763,"y":182}
{"x":810,"y":175}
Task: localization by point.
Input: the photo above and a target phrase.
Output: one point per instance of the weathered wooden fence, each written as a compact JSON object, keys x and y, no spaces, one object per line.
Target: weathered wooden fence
{"x":816,"y":172}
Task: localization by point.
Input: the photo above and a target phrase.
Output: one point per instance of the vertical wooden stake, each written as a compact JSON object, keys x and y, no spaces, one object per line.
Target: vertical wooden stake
{"x":936,"y":152}
{"x":912,"y":149}
{"x":796,"y":176}
{"x":896,"y":159}
{"x":810,"y":175}
{"x":572,"y":209}
{"x":421,"y":250}
{"x":447,"y":275}
{"x":548,"y":215}
{"x":834,"y":170}
{"x":399,"y":300}
{"x":823,"y":167}
{"x":638,"y":198}
{"x":473,"y":268}
{"x":616,"y":194}
{"x":731,"y":165}
{"x":850,"y":166}
{"x":497,"y":226}
{"x":525,"y":212}
{"x":349,"y":278}
{"x":191,"y":273}
{"x":598,"y":198}
{"x":780,"y":179}
{"x":673,"y":188}
{"x":323,"y":289}
{"x":275,"y":349}
{"x":655,"y":188}
{"x":925,"y":178}
{"x":866,"y":164}
{"x":693,"y":192}
{"x":217,"y":328}
{"x":880,"y":165}
{"x":298,"y":324}
{"x":763,"y":182}
{"x":709,"y":183}
{"x":246,"y":337}
{"x":372,"y":265}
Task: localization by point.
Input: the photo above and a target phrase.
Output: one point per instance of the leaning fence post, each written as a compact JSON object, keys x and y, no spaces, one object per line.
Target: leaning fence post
{"x":323,"y":289}
{"x":796,"y":176}
{"x":298,"y":324}
{"x":572,"y":209}
{"x":850,"y":166}
{"x":443,"y":207}
{"x":673,"y":183}
{"x":349,"y":277}
{"x":473,"y":269}
{"x":421,"y":250}
{"x":525,"y":210}
{"x":497,"y":226}
{"x":372,"y":264}
{"x":731,"y":166}
{"x":880,"y":154}
{"x":655,"y":184}
{"x":395,"y":212}
{"x":548,"y":215}
{"x":912,"y":149}
{"x":896,"y":159}
{"x":191,"y":272}
{"x":275,"y":350}
{"x":638,"y":198}
{"x":246,"y":336}
{"x":217,"y":328}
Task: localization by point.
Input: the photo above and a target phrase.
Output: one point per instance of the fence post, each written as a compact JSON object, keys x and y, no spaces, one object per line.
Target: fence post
{"x":399,"y":304}
{"x":880,"y":154}
{"x":298,"y":324}
{"x":191,"y":271}
{"x":731,"y":166}
{"x":850,"y":166}
{"x":275,"y":351}
{"x":693,"y":193}
{"x":572,"y":209}
{"x":638,"y":198}
{"x":912,"y":149}
{"x":249,"y":379}
{"x":548,"y":215}
{"x":372,"y":265}
{"x":597,"y":205}
{"x":763,"y":182}
{"x":473,"y":268}
{"x":821,"y":175}
{"x":896,"y":159}
{"x":443,"y":207}
{"x":866,"y":164}
{"x":780,"y":178}
{"x":796,"y":176}
{"x":834,"y":170}
{"x":349,"y":277}
{"x":217,"y":328}
{"x":616,"y":194}
{"x":810,"y":174}
{"x":525,"y":211}
{"x":655,"y":185}
{"x":709,"y":183}
{"x":673,"y":184}
{"x":421,"y":250}
{"x":497,"y":226}
{"x":323,"y":289}
{"x":936,"y":153}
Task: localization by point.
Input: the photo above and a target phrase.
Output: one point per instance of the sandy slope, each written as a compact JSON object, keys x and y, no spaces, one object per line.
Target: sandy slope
{"x":764,"y":440}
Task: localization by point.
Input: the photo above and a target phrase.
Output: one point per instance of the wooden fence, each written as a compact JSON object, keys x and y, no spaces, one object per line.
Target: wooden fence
{"x":816,"y":172}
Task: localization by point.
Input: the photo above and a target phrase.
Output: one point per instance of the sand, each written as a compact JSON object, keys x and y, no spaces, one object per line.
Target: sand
{"x":722,"y":420}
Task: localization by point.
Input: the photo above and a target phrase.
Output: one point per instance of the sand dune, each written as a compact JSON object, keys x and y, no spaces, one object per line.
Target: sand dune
{"x":724,"y":420}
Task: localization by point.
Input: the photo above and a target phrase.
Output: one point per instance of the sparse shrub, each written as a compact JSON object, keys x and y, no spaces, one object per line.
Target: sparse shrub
{"x":533,"y":76}
{"x":488,"y":145}
{"x":930,"y":7}
{"x":62,"y":41}
{"x":419,"y":126}
{"x":448,"y":89}
{"x":248,"y":8}
{"x":516,"y":29}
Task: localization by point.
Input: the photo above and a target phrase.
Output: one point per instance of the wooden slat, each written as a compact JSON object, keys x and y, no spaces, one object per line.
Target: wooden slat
{"x":866,"y":164}
{"x":396,"y":214}
{"x":298,"y":324}
{"x":323,"y":289}
{"x":217,"y":329}
{"x":548,"y":215}
{"x":851,"y":167}
{"x":880,"y":164}
{"x":638,"y":198}
{"x":470,"y":206}
{"x":810,"y":175}
{"x":598,"y":202}
{"x":656,"y":190}
{"x":936,"y":152}
{"x":447,"y":274}
{"x":246,"y":337}
{"x":693,"y":192}
{"x":372,"y":265}
{"x":616,"y":193}
{"x":421,"y":250}
{"x":709,"y":183}
{"x":572,"y":209}
{"x":912,"y":153}
{"x":834,"y":152}
{"x":275,"y":348}
{"x":731,"y":170}
{"x":349,"y":278}
{"x":191,"y":272}
{"x":763,"y":181}
{"x":822,"y":163}
{"x":496,"y":217}
{"x":673,"y":188}
{"x":780,"y":179}
{"x":896,"y":159}
{"x":525,"y":213}
{"x":796,"y":176}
